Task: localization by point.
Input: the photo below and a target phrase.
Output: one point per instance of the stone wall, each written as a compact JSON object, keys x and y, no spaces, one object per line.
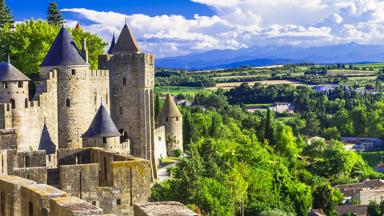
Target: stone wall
{"x":160,"y":144}
{"x":36,"y":197}
{"x":132,"y":102}
{"x":80,"y":180}
{"x":22,"y":197}
{"x":8,"y":139}
{"x":162,"y":208}
{"x":174,"y":133}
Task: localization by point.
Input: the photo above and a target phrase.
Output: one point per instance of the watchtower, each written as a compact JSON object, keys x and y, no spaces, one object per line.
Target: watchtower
{"x":73,"y":99}
{"x":132,"y":98}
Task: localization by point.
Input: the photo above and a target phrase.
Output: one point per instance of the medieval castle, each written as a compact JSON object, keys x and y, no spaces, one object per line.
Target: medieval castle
{"x":87,"y":142}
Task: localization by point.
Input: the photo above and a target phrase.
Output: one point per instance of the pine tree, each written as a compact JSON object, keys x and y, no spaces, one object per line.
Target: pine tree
{"x":157,"y":106}
{"x":55,"y":16}
{"x":5,"y":14}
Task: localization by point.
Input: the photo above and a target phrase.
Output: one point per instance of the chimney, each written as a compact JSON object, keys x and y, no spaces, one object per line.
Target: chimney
{"x":84,"y":52}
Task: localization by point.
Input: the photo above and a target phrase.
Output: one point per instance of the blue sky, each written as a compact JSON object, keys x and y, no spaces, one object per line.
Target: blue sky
{"x":179,"y":27}
{"x":23,"y":9}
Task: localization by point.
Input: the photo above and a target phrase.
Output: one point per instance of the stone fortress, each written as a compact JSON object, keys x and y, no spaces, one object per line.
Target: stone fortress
{"x":86,"y":142}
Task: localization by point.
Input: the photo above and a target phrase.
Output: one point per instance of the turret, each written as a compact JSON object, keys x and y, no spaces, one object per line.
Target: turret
{"x":13,"y":86}
{"x":113,"y":43}
{"x":172,"y":119}
{"x":73,"y":97}
{"x":103,"y":133}
{"x":84,"y":51}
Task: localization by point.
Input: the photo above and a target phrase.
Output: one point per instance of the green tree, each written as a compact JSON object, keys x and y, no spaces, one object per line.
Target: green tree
{"x":6,"y":17}
{"x":157,"y":106}
{"x":326,"y":198}
{"x":55,"y":16}
{"x":268,"y":128}
{"x":96,"y":45}
{"x":373,"y":209}
{"x":30,"y":41}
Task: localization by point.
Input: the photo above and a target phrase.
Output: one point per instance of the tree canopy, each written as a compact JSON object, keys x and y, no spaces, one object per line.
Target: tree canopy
{"x":30,"y":41}
{"x":6,"y":17}
{"x":55,"y":16}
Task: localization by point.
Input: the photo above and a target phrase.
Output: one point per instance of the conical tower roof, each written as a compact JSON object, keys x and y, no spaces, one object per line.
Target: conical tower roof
{"x":170,"y":109}
{"x":63,"y":52}
{"x":46,"y":142}
{"x":113,"y":43}
{"x":102,"y":125}
{"x":126,"y":42}
{"x":9,"y":73}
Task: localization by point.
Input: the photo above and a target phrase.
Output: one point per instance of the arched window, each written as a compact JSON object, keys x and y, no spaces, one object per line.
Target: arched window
{"x":68,"y":102}
{"x":26,"y":102}
{"x":13,"y":103}
{"x":124,"y":81}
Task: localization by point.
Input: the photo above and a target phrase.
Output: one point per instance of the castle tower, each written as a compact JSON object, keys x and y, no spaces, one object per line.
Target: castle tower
{"x":14,"y":87}
{"x":73,"y":99}
{"x":102,"y":132}
{"x":132,"y":102}
{"x":172,"y":119}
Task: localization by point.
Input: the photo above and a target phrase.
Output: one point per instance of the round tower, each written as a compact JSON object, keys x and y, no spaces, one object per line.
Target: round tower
{"x":103,"y":133}
{"x":73,"y":95}
{"x":13,"y":87}
{"x":172,"y":119}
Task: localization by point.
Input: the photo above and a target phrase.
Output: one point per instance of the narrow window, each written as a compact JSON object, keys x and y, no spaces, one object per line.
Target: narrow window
{"x":73,"y":72}
{"x":106,"y":98}
{"x":68,"y":102}
{"x":124,"y":81}
{"x":5,"y":85}
{"x":20,"y":84}
{"x":118,"y":202}
{"x":26,"y":102}
{"x":177,"y":118}
{"x":27,"y":161}
{"x":13,"y":103}
{"x":105,"y":170}
{"x":30,"y":209}
{"x":95,"y":98}
{"x":2,"y":200}
{"x":121,"y":110}
{"x":104,"y":140}
{"x":94,"y":203}
{"x":166,"y":119}
{"x":44,"y":212}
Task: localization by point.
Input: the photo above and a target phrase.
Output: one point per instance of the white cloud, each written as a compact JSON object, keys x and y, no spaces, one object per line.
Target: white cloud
{"x":245,"y":23}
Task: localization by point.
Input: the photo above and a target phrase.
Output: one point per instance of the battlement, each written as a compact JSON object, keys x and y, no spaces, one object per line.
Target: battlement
{"x":99,"y":74}
{"x":126,"y":58}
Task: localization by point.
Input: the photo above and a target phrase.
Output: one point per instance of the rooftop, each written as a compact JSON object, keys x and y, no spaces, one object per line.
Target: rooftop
{"x":170,"y":109}
{"x":63,"y":52}
{"x":9,"y":73}
{"x":126,"y":42}
{"x":102,"y":125}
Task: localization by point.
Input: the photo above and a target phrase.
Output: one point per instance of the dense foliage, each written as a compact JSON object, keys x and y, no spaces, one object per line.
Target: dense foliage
{"x":30,"y":41}
{"x":238,"y":162}
{"x":183,"y":78}
{"x":342,"y":111}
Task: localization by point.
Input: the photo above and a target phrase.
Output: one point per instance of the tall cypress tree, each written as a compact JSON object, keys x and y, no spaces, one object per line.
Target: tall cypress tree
{"x":5,"y":14}
{"x":55,"y":16}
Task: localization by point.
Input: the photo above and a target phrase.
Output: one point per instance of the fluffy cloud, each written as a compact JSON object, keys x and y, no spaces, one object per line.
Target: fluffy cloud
{"x":245,"y":23}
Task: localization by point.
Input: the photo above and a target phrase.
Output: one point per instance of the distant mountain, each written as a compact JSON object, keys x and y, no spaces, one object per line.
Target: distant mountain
{"x":272,"y":55}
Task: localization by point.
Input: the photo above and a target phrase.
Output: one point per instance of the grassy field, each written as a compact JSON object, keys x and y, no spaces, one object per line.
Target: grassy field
{"x":373,"y":158}
{"x":174,"y":90}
